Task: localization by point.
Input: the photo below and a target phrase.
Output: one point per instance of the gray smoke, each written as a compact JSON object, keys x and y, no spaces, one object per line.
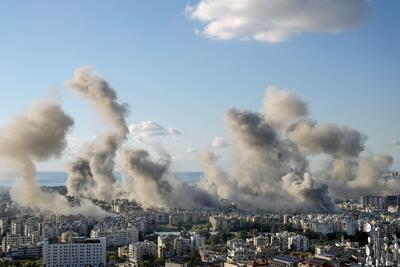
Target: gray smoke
{"x":217,"y":182}
{"x":93,"y":175}
{"x":91,"y":86}
{"x":354,"y":177}
{"x":327,"y":138}
{"x":152,"y":185}
{"x":269,"y":171}
{"x":283,"y":107}
{"x":270,"y":167}
{"x":80,"y":179}
{"x":39,"y":134}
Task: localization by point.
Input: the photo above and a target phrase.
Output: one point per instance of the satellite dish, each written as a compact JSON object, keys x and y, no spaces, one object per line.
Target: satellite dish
{"x":367,"y":227}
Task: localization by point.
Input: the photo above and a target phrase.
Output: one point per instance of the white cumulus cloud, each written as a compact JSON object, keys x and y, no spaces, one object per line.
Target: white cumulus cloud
{"x":150,"y":128}
{"x":219,"y":142}
{"x":276,"y":20}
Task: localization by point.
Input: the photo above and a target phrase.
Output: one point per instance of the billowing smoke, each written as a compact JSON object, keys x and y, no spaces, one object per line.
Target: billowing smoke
{"x":270,"y":166}
{"x":37,"y":135}
{"x":327,"y":138}
{"x":268,"y":171}
{"x":217,"y":182}
{"x":91,"y":86}
{"x":283,"y":107}
{"x":80,"y":179}
{"x":152,"y":185}
{"x":93,"y":174}
{"x":147,"y":182}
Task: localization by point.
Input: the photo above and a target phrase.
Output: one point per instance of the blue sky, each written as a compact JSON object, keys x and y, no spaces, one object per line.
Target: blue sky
{"x":150,"y":53}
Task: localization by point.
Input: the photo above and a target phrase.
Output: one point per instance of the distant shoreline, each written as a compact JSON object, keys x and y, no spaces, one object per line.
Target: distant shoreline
{"x":60,"y":178}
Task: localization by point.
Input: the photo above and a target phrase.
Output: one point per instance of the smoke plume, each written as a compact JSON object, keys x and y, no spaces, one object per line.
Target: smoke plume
{"x":283,"y":107}
{"x":152,"y":185}
{"x":93,"y":174}
{"x":268,"y":171}
{"x":270,"y":165}
{"x":91,"y":86}
{"x":38,"y":134}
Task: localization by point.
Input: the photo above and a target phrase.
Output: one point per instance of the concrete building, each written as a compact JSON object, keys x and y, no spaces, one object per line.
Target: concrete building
{"x":3,"y":226}
{"x":298,"y":243}
{"x":79,"y":252}
{"x":117,"y":237}
{"x":285,"y":261}
{"x":27,"y":251}
{"x":137,"y":251}
{"x":14,"y":240}
{"x":218,"y":223}
{"x":165,"y":246}
{"x":16,"y":227}
{"x":176,"y":262}
{"x":67,"y":236}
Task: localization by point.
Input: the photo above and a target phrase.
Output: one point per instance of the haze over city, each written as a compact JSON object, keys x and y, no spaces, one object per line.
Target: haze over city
{"x":273,"y":108}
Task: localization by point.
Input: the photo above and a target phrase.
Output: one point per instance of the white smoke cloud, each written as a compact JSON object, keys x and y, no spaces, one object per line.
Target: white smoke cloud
{"x":271,"y":152}
{"x":150,"y":128}
{"x":92,"y":173}
{"x":276,"y":20}
{"x":39,"y":134}
{"x":281,"y":107}
{"x":88,"y":83}
{"x":219,"y":142}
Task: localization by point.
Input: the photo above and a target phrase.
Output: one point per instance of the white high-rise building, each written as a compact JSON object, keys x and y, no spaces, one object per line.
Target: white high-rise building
{"x":117,"y":237}
{"x":79,"y":252}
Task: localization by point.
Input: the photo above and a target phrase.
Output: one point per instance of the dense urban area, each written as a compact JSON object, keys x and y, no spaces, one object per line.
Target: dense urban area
{"x":362,"y":233}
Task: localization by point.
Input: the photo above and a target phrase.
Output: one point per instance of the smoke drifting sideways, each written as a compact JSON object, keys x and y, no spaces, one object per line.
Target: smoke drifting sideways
{"x":92,"y":175}
{"x":36,"y":135}
{"x":271,"y":160}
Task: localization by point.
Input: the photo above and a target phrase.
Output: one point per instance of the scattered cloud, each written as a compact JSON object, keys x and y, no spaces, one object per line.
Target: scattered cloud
{"x":394,"y":143}
{"x":274,"y":21}
{"x":150,"y":128}
{"x":219,"y":142}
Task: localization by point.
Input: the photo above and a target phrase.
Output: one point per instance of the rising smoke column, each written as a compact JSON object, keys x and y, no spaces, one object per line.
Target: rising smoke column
{"x":264,"y":160}
{"x":268,"y":172}
{"x":38,"y":134}
{"x":92,"y":175}
{"x":152,"y":185}
{"x":91,"y":86}
{"x":349,"y":174}
{"x":149,"y":183}
{"x":282,"y":107}
{"x":270,"y":164}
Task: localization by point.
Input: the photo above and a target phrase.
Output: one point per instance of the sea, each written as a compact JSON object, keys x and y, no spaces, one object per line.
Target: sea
{"x":60,"y":178}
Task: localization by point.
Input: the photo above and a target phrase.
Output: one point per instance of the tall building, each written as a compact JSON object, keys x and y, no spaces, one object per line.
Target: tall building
{"x":79,"y":252}
{"x":117,"y":237}
{"x":3,"y":225}
{"x":137,"y":251}
{"x":16,"y":227}
{"x":298,"y":243}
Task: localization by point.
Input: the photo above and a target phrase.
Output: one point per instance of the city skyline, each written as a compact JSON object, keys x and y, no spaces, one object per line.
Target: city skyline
{"x":200,"y":133}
